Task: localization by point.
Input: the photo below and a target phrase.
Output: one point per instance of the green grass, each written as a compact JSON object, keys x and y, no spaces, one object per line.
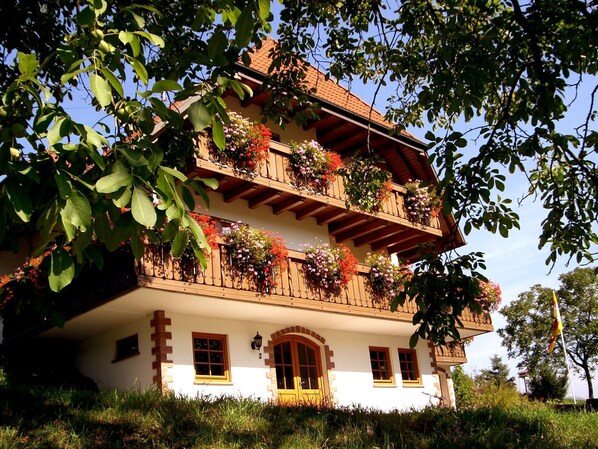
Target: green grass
{"x":35,"y":417}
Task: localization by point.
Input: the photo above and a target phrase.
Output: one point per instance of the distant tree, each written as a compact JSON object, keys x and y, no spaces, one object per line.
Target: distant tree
{"x":498,"y":373}
{"x":463,"y":385}
{"x":546,"y":383}
{"x":529,"y":320}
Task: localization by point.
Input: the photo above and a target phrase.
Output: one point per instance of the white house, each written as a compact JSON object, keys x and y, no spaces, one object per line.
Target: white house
{"x":155,"y":325}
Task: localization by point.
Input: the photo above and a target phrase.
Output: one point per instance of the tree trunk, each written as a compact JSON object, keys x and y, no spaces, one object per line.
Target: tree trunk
{"x":588,"y":376}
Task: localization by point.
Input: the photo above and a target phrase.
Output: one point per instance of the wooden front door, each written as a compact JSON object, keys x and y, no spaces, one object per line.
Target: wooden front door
{"x":298,"y":371}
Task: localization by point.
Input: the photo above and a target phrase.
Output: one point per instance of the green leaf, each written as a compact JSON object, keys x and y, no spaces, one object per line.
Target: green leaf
{"x":142,"y":208}
{"x":217,"y":45}
{"x":212,"y":183}
{"x":114,"y":82}
{"x":124,"y":198}
{"x":198,"y":116}
{"x":94,"y":137}
{"x":188,"y":198}
{"x":112,"y":183}
{"x":65,"y":188}
{"x":140,"y":70}
{"x":85,"y":17}
{"x":101,"y":89}
{"x":62,"y":269}
{"x":264,"y":9}
{"x":164,"y":85}
{"x":20,"y":201}
{"x":174,"y":172}
{"x":218,"y":134}
{"x":170,"y":230}
{"x":244,"y":28}
{"x":28,"y":64}
{"x":61,"y":128}
{"x":127,"y":37}
{"x":413,"y":341}
{"x":137,"y":246}
{"x":180,"y":243}
{"x":77,"y":211}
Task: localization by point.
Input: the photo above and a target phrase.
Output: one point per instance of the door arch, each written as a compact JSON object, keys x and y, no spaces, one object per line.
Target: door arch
{"x":298,"y":370}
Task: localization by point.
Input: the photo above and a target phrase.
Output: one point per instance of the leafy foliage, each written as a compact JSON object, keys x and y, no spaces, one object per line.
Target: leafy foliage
{"x":546,"y":384}
{"x":82,"y":187}
{"x":529,"y":321}
{"x":505,"y":68}
{"x":367,"y":186}
{"x":442,"y":290}
{"x":497,"y":74}
{"x":497,"y":374}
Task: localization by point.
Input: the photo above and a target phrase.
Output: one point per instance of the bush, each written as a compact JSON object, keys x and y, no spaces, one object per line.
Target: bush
{"x":546,"y":384}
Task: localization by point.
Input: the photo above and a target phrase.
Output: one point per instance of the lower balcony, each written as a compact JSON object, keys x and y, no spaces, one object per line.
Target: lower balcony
{"x":159,"y":270}
{"x":450,"y":354}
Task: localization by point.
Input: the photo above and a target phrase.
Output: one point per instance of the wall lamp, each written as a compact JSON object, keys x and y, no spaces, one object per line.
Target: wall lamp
{"x":256,"y":344}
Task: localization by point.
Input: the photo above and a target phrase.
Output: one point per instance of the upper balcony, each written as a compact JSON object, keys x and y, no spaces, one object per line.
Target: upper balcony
{"x":274,"y":185}
{"x":158,"y":269}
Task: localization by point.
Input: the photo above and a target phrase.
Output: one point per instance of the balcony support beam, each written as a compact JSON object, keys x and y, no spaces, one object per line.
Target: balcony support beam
{"x":263,"y":198}
{"x":287,"y":204}
{"x":238,"y":192}
{"x":395,"y":239}
{"x":351,"y":234}
{"x":375,"y":236}
{"x":331,"y":216}
{"x":348,"y":223}
{"x":310,"y":210}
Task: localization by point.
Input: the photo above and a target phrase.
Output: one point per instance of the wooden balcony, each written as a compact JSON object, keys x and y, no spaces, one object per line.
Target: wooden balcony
{"x":274,"y":185}
{"x":450,"y":354}
{"x":158,"y":269}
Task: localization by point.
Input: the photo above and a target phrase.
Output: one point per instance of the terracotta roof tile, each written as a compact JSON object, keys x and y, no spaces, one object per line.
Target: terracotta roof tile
{"x":326,"y":90}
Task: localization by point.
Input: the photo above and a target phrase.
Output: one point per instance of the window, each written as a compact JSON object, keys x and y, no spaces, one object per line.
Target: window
{"x":409,"y":369}
{"x":126,"y":347}
{"x":381,"y":367}
{"x":210,"y":357}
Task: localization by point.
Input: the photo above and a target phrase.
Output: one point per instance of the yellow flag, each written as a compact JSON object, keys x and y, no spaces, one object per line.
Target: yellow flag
{"x":557,"y":326}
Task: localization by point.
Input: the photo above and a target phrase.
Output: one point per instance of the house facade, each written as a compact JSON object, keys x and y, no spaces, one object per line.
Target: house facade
{"x":161,"y":323}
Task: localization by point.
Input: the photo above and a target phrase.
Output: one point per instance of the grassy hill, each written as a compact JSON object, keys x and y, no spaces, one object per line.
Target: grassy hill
{"x":37,"y":417}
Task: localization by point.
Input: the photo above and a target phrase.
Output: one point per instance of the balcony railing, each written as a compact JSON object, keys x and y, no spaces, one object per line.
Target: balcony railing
{"x":158,"y":265}
{"x":276,"y":174}
{"x":453,"y":352}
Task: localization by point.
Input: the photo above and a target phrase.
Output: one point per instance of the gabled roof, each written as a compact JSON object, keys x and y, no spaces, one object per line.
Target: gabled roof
{"x":326,"y":90}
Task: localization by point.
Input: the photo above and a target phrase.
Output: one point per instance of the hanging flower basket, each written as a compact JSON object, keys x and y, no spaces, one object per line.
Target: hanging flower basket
{"x":421,"y":203}
{"x":314,"y":167}
{"x":256,"y":254}
{"x":247,"y":144}
{"x":490,"y":296}
{"x":367,"y":186}
{"x":329,"y":267}
{"x":386,"y":279}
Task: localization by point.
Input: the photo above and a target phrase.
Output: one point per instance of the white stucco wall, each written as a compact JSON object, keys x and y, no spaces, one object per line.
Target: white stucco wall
{"x":97,"y":355}
{"x":353,"y":382}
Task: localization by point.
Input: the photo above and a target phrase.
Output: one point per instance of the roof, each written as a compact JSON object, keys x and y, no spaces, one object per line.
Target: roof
{"x":326,"y":90}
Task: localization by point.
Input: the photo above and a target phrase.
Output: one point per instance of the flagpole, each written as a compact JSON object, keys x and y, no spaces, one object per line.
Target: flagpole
{"x":558,"y":315}
{"x":568,"y":368}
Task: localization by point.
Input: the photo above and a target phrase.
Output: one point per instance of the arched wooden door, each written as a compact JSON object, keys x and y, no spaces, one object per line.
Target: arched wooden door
{"x":298,"y":371}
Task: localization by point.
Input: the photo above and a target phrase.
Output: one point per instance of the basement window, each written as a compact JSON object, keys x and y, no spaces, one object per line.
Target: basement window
{"x":126,"y":347}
